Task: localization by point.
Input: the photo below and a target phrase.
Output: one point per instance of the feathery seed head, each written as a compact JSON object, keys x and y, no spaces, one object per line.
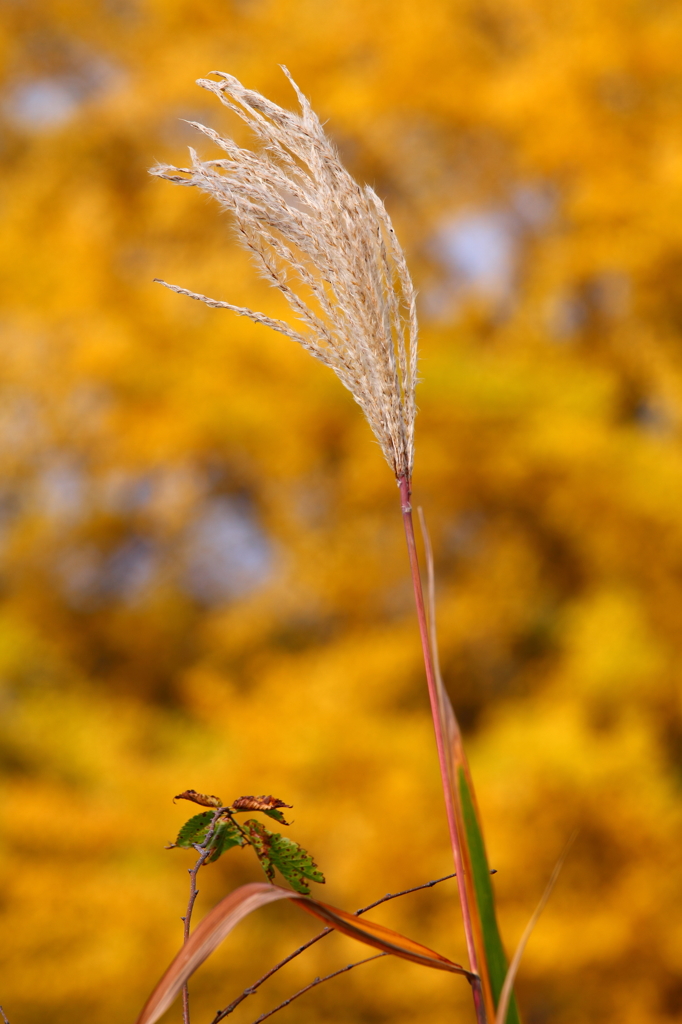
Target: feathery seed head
{"x":328,"y":245}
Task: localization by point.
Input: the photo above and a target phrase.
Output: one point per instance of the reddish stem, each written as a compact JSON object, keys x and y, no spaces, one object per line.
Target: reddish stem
{"x":405,"y":493}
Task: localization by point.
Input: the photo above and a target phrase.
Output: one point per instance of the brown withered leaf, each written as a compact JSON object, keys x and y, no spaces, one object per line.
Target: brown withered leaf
{"x":220,"y":921}
{"x":257,"y":803}
{"x":199,"y":798}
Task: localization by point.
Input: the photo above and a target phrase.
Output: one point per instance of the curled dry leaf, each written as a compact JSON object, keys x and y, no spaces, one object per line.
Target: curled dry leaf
{"x":257,"y":803}
{"x":229,"y":912}
{"x":199,"y":798}
{"x":269,"y":805}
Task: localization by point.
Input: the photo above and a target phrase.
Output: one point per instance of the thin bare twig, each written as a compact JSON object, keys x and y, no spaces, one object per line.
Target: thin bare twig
{"x":405,"y":892}
{"x":317,"y":981}
{"x":203,"y":849}
{"x":221,"y":1014}
{"x":5,"y":1018}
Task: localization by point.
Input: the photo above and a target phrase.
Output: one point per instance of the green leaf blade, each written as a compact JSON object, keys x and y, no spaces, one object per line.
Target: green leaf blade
{"x":495,"y":956}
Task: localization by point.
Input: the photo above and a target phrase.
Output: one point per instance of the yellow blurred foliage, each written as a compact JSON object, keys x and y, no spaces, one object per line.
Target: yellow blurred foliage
{"x":202,"y":569}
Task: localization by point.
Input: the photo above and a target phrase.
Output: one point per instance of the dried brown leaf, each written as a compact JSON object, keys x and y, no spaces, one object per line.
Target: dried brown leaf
{"x":230,"y":911}
{"x":257,"y":803}
{"x":199,"y":798}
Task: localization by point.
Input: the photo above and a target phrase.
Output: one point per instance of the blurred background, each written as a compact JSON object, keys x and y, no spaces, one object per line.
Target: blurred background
{"x":202,"y":571}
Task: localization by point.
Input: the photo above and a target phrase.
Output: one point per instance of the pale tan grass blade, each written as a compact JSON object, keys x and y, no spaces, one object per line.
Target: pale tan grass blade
{"x":512,"y":970}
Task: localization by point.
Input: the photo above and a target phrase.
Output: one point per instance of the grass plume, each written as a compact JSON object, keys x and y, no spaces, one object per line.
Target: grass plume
{"x":328,"y":245}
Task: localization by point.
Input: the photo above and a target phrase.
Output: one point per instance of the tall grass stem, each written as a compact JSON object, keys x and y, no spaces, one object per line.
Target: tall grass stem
{"x":431,"y":680}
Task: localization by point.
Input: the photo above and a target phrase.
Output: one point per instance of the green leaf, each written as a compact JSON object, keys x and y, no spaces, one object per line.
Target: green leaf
{"x":194,"y":830}
{"x":276,"y":851}
{"x":496,"y":959}
{"x":295,"y":863}
{"x":226,"y":836}
{"x":259,"y":838}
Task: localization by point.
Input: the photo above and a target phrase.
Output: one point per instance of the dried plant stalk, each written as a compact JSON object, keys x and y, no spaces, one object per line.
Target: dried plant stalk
{"x":328,"y":245}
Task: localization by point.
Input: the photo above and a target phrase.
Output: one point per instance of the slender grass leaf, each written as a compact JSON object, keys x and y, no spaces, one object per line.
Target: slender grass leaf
{"x":230,"y":911}
{"x":495,"y":957}
{"x":383,"y":938}
{"x":505,"y":995}
{"x":492,"y":961}
{"x":491,"y":958}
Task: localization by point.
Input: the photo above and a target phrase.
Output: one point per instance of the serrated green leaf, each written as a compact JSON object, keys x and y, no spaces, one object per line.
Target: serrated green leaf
{"x":295,"y":863}
{"x":226,"y":836}
{"x":259,"y":838}
{"x":277,"y":851}
{"x":194,"y":830}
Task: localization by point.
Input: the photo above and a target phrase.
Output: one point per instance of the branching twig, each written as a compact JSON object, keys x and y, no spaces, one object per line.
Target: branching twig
{"x":405,"y":892}
{"x":221,"y":1014}
{"x":203,"y":849}
{"x":317,"y":981}
{"x":473,"y":980}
